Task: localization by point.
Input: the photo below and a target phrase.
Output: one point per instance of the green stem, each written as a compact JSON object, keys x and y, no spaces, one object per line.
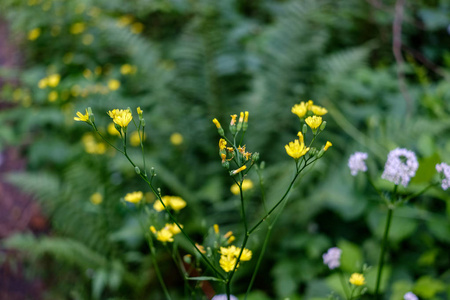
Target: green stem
{"x":344,"y":284}
{"x":155,"y":264}
{"x":383,"y":251}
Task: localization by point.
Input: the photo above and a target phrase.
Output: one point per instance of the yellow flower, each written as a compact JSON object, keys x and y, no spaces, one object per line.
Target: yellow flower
{"x":81,"y":117}
{"x":247,"y":184}
{"x":222,"y":144}
{"x":227,"y":263}
{"x":153,"y":229}
{"x":34,"y":34}
{"x":234,"y":172}
{"x":229,"y":251}
{"x":87,"y":39}
{"x":139,"y":111}
{"x":300,"y":109}
{"x":96,"y":198}
{"x":121,"y":117}
{"x":112,"y":129}
{"x":134,"y":197}
{"x":216,"y":228}
{"x":127,"y":69}
{"x":113,"y":84}
{"x":296,"y":149}
{"x":77,"y":28}
{"x":318,"y":110}
{"x":43,"y":83}
{"x":200,"y":248}
{"x":246,"y":117}
{"x":313,"y":121}
{"x":53,"y":96}
{"x":177,"y":203}
{"x":246,"y":254}
{"x":135,"y":139}
{"x":158,"y":206}
{"x":216,"y":122}
{"x":53,"y":80}
{"x":233,"y":120}
{"x":176,"y":139}
{"x":357,"y":279}
{"x":173,"y":228}
{"x":327,"y":145}
{"x":231,"y":239}
{"x":164,"y":235}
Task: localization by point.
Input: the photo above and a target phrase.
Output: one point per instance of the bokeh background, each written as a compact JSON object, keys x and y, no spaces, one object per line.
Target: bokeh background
{"x":381,"y":68}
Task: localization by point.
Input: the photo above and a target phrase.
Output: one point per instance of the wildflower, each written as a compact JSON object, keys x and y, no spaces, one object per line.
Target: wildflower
{"x":81,"y":117}
{"x":234,"y":172}
{"x":233,"y":120}
{"x":164,"y":235}
{"x":400,"y":167}
{"x":177,"y":203}
{"x":356,"y":162}
{"x":216,"y":122}
{"x":53,"y":96}
{"x":300,"y":109}
{"x":222,"y":144}
{"x":318,"y":110}
{"x":241,"y":120}
{"x":87,"y":73}
{"x":357,"y":279}
{"x":134,"y":197}
{"x":173,"y":228}
{"x":246,"y":254}
{"x":113,"y":84}
{"x":332,"y":257}
{"x":247,"y":184}
{"x":53,"y":80}
{"x":224,"y":297}
{"x":77,"y":28}
{"x":176,"y":139}
{"x":91,"y":146}
{"x":410,"y":296}
{"x":327,"y":145}
{"x":246,"y":117}
{"x":112,"y":130}
{"x":135,"y":139}
{"x":313,"y":121}
{"x":231,"y":239}
{"x":158,"y":205}
{"x":121,"y":117}
{"x":216,"y":228}
{"x":297,"y":149}
{"x":34,"y":34}
{"x":200,"y":248}
{"x":228,"y":234}
{"x":139,"y":111}
{"x":43,"y":83}
{"x":96,"y":198}
{"x":445,"y":169}
{"x":227,"y":262}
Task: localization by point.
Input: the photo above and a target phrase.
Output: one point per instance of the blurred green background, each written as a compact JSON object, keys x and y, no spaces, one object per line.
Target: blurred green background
{"x":186,"y":62}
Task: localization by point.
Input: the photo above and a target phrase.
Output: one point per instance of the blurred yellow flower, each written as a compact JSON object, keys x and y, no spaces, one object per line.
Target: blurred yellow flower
{"x":121,"y":117}
{"x":313,"y":121}
{"x":127,"y":69}
{"x":87,"y":73}
{"x":87,"y":39}
{"x":96,"y":198}
{"x":77,"y":28}
{"x":247,"y":184}
{"x":318,"y":110}
{"x":53,"y":96}
{"x":113,"y":84}
{"x":164,"y":235}
{"x":135,"y":139}
{"x":81,"y":117}
{"x":174,"y":202}
{"x":53,"y":80}
{"x":357,"y":279}
{"x":296,"y":149}
{"x":137,"y":27}
{"x":124,"y":20}
{"x":42,"y":84}
{"x":91,"y":145}
{"x":134,"y":197}
{"x":33,"y":34}
{"x":173,"y":228}
{"x":176,"y":139}
{"x":216,"y":228}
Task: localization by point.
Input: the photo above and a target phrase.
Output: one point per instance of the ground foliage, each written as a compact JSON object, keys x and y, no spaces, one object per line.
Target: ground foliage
{"x":196,"y":60}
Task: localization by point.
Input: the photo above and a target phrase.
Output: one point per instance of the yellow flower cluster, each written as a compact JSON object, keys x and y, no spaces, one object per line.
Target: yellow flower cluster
{"x":297,"y":148}
{"x":174,"y":202}
{"x":302,"y":109}
{"x":134,"y":197}
{"x":229,"y":255}
{"x":166,"y":233}
{"x":357,"y":279}
{"x":49,"y":81}
{"x":121,"y":117}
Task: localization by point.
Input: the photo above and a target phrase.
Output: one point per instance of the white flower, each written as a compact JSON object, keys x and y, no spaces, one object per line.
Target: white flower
{"x":445,"y":169}
{"x":400,"y":167}
{"x":356,"y":162}
{"x":224,"y":297}
{"x":332,"y":257}
{"x":410,"y":296}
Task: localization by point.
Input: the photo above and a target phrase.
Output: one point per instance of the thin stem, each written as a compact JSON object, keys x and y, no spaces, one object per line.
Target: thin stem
{"x":344,"y":284}
{"x":383,"y":250}
{"x":155,"y":264}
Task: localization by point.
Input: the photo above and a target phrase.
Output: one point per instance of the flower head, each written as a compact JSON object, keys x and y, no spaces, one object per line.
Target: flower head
{"x":327,"y":145}
{"x":121,"y":117}
{"x":445,"y":170}
{"x":96,"y":198}
{"x":227,"y":262}
{"x":296,"y":149}
{"x":356,"y":162}
{"x":81,"y":117}
{"x":247,"y":184}
{"x":332,"y":257}
{"x":410,"y":296}
{"x":222,"y":144}
{"x":313,"y":121}
{"x":233,"y":119}
{"x":318,"y":110}
{"x":216,"y":122}
{"x":400,"y":167}
{"x":224,"y":297}
{"x":134,"y":197}
{"x":164,"y":235}
{"x":174,"y":202}
{"x":176,"y":139}
{"x":300,"y":109}
{"x":357,"y":279}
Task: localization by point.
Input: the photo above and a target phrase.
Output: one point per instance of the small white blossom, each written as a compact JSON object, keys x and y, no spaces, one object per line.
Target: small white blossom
{"x":224,"y":297}
{"x":356,"y":162}
{"x":332,"y":257}
{"x":410,"y":296}
{"x":445,"y":169}
{"x":400,"y":167}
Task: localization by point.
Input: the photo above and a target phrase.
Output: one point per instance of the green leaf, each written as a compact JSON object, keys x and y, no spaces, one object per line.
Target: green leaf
{"x":351,"y":258}
{"x":427,"y":287}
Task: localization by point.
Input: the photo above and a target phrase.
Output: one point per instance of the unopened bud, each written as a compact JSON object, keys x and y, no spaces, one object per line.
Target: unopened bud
{"x":255,"y":157}
{"x":323,"y":125}
{"x":304,"y":129}
{"x":226,"y":164}
{"x":241,"y":120}
{"x":312,"y":151}
{"x":262,"y":165}
{"x":137,"y":170}
{"x":142,"y":121}
{"x":152,"y":172}
{"x":321,"y":153}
